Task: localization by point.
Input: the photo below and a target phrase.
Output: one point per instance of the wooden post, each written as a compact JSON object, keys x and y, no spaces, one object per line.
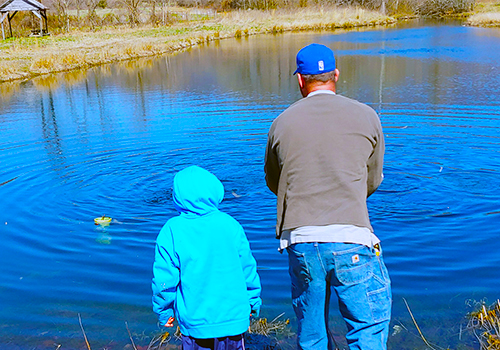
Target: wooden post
{"x":41,"y":21}
{"x":2,"y":19}
{"x":44,"y":15}
{"x":10,"y":25}
{"x":9,"y":17}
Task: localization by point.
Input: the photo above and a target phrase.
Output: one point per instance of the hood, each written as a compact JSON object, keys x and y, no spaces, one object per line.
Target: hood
{"x":197,"y":191}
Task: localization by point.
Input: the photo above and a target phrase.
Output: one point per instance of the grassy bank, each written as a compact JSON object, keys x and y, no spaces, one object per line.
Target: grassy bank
{"x":22,"y":58}
{"x":83,"y":47}
{"x":488,"y":19}
{"x":487,"y":14}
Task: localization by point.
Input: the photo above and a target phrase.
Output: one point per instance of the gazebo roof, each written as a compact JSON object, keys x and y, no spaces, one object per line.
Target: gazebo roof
{"x":21,"y":5}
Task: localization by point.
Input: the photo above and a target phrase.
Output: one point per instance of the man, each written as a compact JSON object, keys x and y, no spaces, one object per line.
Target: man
{"x":323,"y":159}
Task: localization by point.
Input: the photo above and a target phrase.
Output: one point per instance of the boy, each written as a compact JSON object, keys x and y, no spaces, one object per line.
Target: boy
{"x":204,"y":271}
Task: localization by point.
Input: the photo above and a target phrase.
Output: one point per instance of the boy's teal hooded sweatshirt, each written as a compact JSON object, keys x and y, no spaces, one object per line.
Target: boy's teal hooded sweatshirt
{"x":204,"y":272}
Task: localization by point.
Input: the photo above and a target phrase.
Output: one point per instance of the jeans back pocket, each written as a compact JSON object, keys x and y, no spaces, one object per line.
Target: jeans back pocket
{"x":353,"y":266}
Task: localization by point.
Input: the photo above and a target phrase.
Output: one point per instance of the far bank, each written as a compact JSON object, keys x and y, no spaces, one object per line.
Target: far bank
{"x":80,"y":47}
{"x":24,"y":58}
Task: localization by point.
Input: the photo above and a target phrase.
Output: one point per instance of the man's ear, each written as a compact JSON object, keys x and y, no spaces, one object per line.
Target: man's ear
{"x":300,"y":78}
{"x":336,"y":74}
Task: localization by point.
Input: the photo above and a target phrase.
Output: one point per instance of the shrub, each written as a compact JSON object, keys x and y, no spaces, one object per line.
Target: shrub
{"x":439,"y":8}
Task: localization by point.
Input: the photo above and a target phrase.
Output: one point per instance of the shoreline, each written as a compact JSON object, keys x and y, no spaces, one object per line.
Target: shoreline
{"x":26,"y":58}
{"x":484,"y":20}
{"x":486,"y":14}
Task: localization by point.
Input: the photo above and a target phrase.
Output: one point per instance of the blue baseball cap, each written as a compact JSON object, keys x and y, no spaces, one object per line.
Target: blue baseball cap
{"x":315,"y":59}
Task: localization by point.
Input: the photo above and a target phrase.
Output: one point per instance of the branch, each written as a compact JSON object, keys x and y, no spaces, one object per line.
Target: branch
{"x":418,"y":328}
{"x":83,"y":330}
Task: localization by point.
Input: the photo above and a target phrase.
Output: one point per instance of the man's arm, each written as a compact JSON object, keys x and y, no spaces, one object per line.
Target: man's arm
{"x":272,"y":166}
{"x":376,"y":161}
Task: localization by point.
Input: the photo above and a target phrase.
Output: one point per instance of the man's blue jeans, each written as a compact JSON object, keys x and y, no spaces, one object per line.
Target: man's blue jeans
{"x":358,"y":276}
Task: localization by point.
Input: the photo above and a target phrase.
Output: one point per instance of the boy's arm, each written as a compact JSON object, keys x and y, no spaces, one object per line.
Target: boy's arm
{"x":166,"y":277}
{"x":252,"y":279}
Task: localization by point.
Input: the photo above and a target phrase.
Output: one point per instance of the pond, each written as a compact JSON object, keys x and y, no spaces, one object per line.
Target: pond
{"x":108,"y":141}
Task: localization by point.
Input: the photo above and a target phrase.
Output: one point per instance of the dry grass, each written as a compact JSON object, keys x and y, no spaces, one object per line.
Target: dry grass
{"x":486,"y":6}
{"x":304,"y":19}
{"x":275,"y":327}
{"x":488,"y":19}
{"x":23,"y":58}
{"x":487,"y":14}
{"x":260,"y":326}
{"x":5,"y":69}
{"x":485,"y":324}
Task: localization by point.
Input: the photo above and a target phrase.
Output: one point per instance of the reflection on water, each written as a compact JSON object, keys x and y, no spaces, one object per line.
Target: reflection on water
{"x":108,"y":141}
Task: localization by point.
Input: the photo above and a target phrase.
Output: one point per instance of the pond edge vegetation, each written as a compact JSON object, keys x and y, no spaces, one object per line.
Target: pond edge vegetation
{"x":261,"y":334}
{"x":92,"y":38}
{"x":483,"y":323}
{"x":25,"y":58}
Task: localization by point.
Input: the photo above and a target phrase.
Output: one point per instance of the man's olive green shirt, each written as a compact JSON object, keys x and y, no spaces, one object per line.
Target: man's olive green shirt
{"x":324,"y":157}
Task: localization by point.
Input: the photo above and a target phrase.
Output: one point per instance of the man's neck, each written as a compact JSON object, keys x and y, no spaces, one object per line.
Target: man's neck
{"x":330,"y":86}
{"x":319,"y":92}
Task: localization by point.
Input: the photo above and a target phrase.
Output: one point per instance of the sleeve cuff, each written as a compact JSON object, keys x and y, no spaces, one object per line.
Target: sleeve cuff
{"x":164,"y":316}
{"x":256,"y":308}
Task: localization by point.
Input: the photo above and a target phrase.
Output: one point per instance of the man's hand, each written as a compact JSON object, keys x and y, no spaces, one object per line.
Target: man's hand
{"x":170,"y":322}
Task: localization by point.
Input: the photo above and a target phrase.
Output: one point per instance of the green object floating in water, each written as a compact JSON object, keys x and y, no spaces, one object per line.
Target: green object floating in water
{"x":102,"y":220}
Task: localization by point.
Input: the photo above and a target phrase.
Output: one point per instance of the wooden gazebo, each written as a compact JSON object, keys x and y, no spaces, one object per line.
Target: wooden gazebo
{"x":9,"y":9}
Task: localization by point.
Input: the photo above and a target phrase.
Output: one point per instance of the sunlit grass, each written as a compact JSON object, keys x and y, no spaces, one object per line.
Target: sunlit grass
{"x":486,"y":14}
{"x":28,"y":57}
{"x":277,"y":326}
{"x":487,"y":19}
{"x":267,"y":330}
{"x":303,"y":19}
{"x":485,"y":323}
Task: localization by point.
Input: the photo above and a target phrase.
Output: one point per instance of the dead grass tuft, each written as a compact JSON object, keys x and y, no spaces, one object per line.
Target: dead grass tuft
{"x":277,"y":326}
{"x":488,"y":19}
{"x":58,"y":62}
{"x":5,"y":70}
{"x":43,"y":64}
{"x":485,"y":323}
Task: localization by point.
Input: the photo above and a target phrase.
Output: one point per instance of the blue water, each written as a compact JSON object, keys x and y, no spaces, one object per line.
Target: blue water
{"x":109,"y":140}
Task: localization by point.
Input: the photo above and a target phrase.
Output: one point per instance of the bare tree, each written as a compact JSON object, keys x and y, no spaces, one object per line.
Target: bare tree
{"x":78,"y":4}
{"x":91,"y":12}
{"x":133,"y":12}
{"x":153,"y":17}
{"x":62,"y":7}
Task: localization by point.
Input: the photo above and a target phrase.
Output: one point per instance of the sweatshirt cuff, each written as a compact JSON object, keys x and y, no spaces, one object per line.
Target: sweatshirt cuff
{"x":164,"y":316}
{"x":256,"y":308}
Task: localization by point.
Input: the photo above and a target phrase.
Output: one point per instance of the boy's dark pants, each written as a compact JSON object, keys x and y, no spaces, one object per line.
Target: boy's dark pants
{"x":226,"y":343}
